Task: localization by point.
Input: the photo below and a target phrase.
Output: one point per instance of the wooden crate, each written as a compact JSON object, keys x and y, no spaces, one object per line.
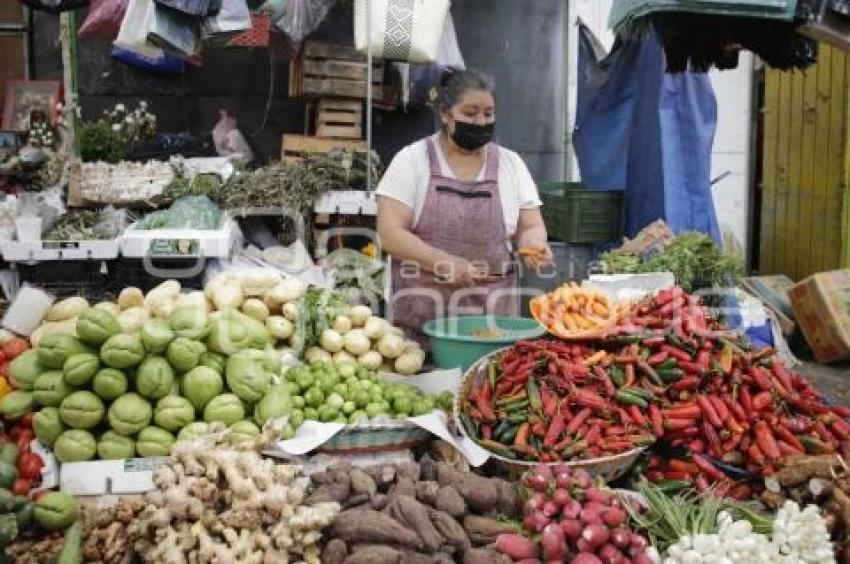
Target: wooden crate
{"x":340,"y":118}
{"x":296,"y":146}
{"x":331,"y":70}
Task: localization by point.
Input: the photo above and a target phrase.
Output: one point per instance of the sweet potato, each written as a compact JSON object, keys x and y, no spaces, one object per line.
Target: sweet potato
{"x":481,"y":494}
{"x":355,"y":500}
{"x":426,"y":492}
{"x":450,"y":530}
{"x":483,"y":531}
{"x":382,"y":474}
{"x":410,"y":557}
{"x":409,"y":470}
{"x":404,"y":486}
{"x":380,"y":501}
{"x":320,"y":478}
{"x":362,"y":483}
{"x":335,"y":491}
{"x":335,"y":552}
{"x":800,"y":469}
{"x":484,"y":556}
{"x":510,"y":503}
{"x":450,"y":501}
{"x":427,"y":469}
{"x":407,"y":511}
{"x":375,"y":554}
{"x":355,"y":525}
{"x":843,"y":502}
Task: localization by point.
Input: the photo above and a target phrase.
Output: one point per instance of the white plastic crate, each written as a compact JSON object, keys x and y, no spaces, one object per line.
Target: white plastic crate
{"x":37,"y":251}
{"x":208,"y":243}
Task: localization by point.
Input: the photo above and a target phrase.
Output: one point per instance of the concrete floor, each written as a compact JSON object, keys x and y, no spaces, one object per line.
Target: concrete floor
{"x":834,"y":381}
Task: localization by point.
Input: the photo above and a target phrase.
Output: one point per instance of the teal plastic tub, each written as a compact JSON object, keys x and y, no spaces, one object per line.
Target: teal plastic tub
{"x":457,"y":342}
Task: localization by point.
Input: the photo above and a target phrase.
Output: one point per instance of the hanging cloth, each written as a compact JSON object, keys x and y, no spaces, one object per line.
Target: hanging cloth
{"x":646,"y":131}
{"x":55,"y":6}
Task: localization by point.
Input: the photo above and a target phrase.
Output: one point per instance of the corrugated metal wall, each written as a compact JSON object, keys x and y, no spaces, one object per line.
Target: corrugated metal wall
{"x":804,"y":168}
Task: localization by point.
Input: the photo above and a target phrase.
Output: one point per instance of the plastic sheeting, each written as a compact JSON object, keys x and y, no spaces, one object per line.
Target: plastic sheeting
{"x":646,"y":131}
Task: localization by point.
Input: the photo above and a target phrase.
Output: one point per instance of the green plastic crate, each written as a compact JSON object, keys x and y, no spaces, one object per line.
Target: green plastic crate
{"x":574,"y":214}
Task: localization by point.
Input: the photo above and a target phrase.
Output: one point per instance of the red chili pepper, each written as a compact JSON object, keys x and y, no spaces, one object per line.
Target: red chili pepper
{"x":733,"y":425}
{"x":732,"y":443}
{"x":686,"y":383}
{"x":688,"y":411}
{"x":629,"y":369}
{"x":657,"y":421}
{"x":784,"y":434}
{"x":697,"y":445}
{"x":798,"y":424}
{"x":719,"y":407}
{"x":708,"y":468}
{"x":824,"y":433}
{"x":761,"y":379}
{"x":735,"y":409}
{"x":610,"y":388}
{"x":625,"y":418}
{"x":704,"y":360}
{"x":708,"y":411}
{"x":756,"y":455}
{"x":766,"y":441}
{"x":556,"y":427}
{"x":678,"y":424}
{"x":589,"y":399}
{"x":677,"y":475}
{"x":712,"y":438}
{"x":594,"y":435}
{"x":682,"y":466}
{"x":550,"y":404}
{"x":636,"y":415}
{"x":841,"y":410}
{"x":657,"y":358}
{"x":788,"y":450}
{"x":678,"y":354}
{"x":762,"y":400}
{"x":840,"y":429}
{"x":578,"y":420}
{"x":690,"y":367}
{"x":741,"y":492}
{"x":781,"y":374}
{"x":747,"y":400}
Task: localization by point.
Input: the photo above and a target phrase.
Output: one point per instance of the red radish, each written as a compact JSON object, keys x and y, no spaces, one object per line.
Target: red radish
{"x":552,"y":540}
{"x":516,"y":546}
{"x":638,"y":543}
{"x":609,"y":554}
{"x":642,"y":558}
{"x":596,"y":535}
{"x":621,"y":537}
{"x":534,"y":503}
{"x":543,"y":470}
{"x":562,"y":469}
{"x":583,"y":546}
{"x":536,"y":482}
{"x":614,"y":517}
{"x":615,"y":501}
{"x":571,"y":509}
{"x":563,"y":480}
{"x":597,"y":506}
{"x":589,"y":516}
{"x":572,"y":529}
{"x":535,"y":522}
{"x":594,"y":494}
{"x":528,"y":561}
{"x":586,"y":558}
{"x":555,"y":562}
{"x":550,"y":509}
{"x":561,"y":497}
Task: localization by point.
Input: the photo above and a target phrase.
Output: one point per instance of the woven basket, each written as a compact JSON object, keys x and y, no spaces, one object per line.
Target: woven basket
{"x":608,"y":467}
{"x":372,"y":437}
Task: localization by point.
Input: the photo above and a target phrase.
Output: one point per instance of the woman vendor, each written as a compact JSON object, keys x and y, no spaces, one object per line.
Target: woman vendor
{"x":450,"y":209}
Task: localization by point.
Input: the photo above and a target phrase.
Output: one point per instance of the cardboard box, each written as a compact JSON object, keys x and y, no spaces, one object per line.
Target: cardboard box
{"x":821,"y":304}
{"x":773,"y":292}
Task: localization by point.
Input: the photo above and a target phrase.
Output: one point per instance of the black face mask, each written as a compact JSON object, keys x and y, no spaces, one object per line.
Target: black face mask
{"x":471,"y":136}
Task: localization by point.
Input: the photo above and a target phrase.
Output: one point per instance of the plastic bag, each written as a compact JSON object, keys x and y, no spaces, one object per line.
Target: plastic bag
{"x":418,"y":80}
{"x":174,"y":32}
{"x":133,"y":35}
{"x":234,"y":16}
{"x":188,"y":212}
{"x":46,"y":205}
{"x":229,"y":141}
{"x":301,"y":18}
{"x":103,"y":19}
{"x":162,"y":64}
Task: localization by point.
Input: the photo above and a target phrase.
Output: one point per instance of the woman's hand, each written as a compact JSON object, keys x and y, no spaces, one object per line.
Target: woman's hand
{"x":531,"y":239}
{"x":538,"y":255}
{"x":463,"y":273}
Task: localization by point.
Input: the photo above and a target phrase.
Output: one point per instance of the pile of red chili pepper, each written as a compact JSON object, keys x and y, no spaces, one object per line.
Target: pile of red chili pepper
{"x":552,"y":401}
{"x":668,"y":372}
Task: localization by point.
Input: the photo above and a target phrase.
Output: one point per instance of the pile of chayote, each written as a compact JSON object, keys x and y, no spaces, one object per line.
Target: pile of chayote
{"x":113,"y":395}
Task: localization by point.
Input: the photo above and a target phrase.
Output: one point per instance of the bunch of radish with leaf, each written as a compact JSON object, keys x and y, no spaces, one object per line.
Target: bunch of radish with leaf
{"x":567,"y":518}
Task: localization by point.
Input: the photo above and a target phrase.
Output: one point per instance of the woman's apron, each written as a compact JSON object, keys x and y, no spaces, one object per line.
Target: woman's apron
{"x":464,"y":219}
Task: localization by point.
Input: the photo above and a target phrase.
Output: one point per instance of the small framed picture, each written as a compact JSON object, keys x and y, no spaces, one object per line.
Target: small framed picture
{"x":10,"y":142}
{"x":27,"y":97}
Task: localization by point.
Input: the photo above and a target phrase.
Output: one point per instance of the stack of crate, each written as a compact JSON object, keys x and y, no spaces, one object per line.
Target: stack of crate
{"x":333,"y":79}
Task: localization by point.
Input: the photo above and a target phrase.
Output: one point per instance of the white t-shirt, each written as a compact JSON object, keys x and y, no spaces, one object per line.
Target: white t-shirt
{"x":406,"y":180}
